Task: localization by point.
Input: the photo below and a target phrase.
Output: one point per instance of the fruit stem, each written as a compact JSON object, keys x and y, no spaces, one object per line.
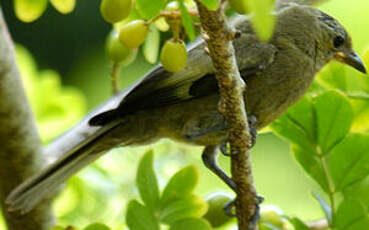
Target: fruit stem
{"x":115,"y":78}
{"x":152,"y":20}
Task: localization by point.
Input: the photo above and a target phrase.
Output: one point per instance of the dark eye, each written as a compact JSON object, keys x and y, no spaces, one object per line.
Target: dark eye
{"x":338,"y":41}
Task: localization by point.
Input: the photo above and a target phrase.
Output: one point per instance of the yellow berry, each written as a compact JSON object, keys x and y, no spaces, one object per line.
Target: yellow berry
{"x":172,"y":6}
{"x":272,"y":215}
{"x":134,"y":33}
{"x":240,"y":6}
{"x":173,"y":55}
{"x":215,"y":214}
{"x":117,"y":52}
{"x":115,"y":10}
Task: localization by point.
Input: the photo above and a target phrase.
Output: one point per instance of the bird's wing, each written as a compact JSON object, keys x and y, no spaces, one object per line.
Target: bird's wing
{"x":161,"y":88}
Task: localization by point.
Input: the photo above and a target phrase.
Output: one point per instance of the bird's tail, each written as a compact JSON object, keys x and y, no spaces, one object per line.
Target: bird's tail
{"x":36,"y":188}
{"x":70,"y":152}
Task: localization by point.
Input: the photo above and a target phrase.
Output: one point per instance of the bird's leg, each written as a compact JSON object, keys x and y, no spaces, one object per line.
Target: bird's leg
{"x":228,"y":209}
{"x":252,"y":122}
{"x":209,"y":157}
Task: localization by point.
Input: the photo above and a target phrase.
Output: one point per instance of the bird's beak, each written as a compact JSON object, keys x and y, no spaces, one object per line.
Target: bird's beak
{"x":352,"y":59}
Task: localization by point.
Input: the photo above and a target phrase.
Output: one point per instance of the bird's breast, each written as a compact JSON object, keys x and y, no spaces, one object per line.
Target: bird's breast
{"x":279,"y":86}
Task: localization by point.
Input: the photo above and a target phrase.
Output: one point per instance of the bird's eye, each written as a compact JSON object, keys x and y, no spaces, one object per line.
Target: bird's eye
{"x":338,"y":41}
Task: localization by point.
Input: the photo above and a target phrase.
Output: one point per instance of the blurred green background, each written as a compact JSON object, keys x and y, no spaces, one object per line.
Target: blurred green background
{"x":73,"y":46}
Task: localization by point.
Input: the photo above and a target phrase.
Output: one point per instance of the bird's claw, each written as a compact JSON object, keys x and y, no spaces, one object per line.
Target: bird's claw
{"x":225,"y":150}
{"x":252,"y":120}
{"x":228,"y":209}
{"x":254,"y":219}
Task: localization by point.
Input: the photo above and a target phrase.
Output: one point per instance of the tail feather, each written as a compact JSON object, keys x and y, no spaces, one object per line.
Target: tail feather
{"x":35,"y":189}
{"x":103,"y":118}
{"x":73,"y":150}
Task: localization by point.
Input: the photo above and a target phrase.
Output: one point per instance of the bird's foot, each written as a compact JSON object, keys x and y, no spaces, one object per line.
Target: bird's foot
{"x":224,"y":146}
{"x":226,"y":150}
{"x":253,"y":132}
{"x":229,"y":211}
{"x":256,"y":217}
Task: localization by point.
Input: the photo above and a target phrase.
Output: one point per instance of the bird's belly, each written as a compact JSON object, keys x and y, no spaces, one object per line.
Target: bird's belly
{"x":268,"y":98}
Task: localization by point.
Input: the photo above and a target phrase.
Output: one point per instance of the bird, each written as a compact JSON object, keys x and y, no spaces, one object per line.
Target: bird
{"x":183,"y":106}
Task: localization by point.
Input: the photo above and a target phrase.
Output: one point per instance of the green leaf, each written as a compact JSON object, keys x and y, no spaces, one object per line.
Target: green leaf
{"x":57,"y":228}
{"x":361,"y":110}
{"x":267,"y":226}
{"x":359,"y":225}
{"x":191,"y":223}
{"x":325,"y":207}
{"x":359,"y":191}
{"x":146,"y":181}
{"x":298,"y":125}
{"x":151,"y":45}
{"x":64,"y":6}
{"x":97,"y":226}
{"x":311,"y":164}
{"x":365,"y":57}
{"x":180,"y":184}
{"x":149,"y":8}
{"x":187,"y":21}
{"x":189,"y":206}
{"x":334,"y":76}
{"x":210,"y":4}
{"x":334,"y":117}
{"x":349,"y":160}
{"x":325,"y":122}
{"x":139,"y":217}
{"x":56,"y":108}
{"x":29,"y":10}
{"x":298,"y":224}
{"x":339,"y":76}
{"x":263,"y":20}
{"x":356,"y":88}
{"x":351,"y":214}
{"x":240,"y":6}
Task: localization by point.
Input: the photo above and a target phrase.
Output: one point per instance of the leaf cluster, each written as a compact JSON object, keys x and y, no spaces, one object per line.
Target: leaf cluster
{"x":176,"y":206}
{"x":56,"y":107}
{"x":328,"y":134}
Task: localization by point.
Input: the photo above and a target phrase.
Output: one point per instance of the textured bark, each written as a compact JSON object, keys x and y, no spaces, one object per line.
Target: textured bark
{"x":219,"y":37}
{"x":20,"y":145}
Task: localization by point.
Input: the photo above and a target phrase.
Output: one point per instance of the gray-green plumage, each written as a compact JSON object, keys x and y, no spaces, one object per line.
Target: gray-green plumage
{"x":183,"y":106}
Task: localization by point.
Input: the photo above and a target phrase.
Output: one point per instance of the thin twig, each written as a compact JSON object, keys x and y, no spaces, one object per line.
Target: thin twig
{"x":21,"y":150}
{"x":115,"y":78}
{"x":176,"y":14}
{"x":232,"y":106}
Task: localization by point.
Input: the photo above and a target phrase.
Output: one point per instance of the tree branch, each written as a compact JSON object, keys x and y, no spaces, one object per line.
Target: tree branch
{"x":21,"y":150}
{"x":232,"y":106}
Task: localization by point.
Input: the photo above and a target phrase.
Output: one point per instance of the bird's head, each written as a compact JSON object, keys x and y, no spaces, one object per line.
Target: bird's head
{"x":337,"y":42}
